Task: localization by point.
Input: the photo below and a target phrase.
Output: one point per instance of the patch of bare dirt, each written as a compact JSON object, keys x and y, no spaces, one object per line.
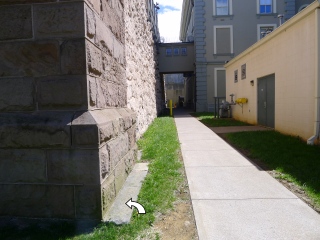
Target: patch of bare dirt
{"x":178,"y":223}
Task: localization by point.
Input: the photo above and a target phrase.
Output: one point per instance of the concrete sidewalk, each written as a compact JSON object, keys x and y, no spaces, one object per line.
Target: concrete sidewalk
{"x":232,"y":198}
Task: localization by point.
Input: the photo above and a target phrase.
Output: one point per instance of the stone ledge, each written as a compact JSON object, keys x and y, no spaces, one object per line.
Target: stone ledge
{"x":35,"y":130}
{"x":57,"y":129}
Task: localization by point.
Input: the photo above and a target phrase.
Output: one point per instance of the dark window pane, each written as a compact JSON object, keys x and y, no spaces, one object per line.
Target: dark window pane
{"x":268,"y":8}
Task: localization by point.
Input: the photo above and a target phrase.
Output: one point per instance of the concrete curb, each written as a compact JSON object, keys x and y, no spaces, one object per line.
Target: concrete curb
{"x":119,"y":212}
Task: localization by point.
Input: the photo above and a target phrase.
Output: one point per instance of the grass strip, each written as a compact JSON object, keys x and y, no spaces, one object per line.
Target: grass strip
{"x":294,"y":159}
{"x":210,"y":120}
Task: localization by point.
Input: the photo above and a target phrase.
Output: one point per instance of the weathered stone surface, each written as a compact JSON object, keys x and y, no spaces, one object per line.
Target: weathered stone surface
{"x":88,"y":202}
{"x":37,"y":201}
{"x":95,"y":4}
{"x":59,"y":20}
{"x":115,"y":95}
{"x":22,"y":166}
{"x":37,"y":130}
{"x":109,"y":130}
{"x":104,"y":94}
{"x":130,"y":159}
{"x":73,"y":57}
{"x":29,"y":58}
{"x":94,"y":60}
{"x":119,"y":52}
{"x":144,"y":92}
{"x":104,"y":37}
{"x":121,"y":175}
{"x":73,"y":166}
{"x":112,"y":16}
{"x":132,"y":136}
{"x":123,"y":169}
{"x":16,"y":22}
{"x":105,"y":165}
{"x":118,"y":148}
{"x":85,"y":136}
{"x":16,"y":94}
{"x":126,"y":120}
{"x":94,"y":100}
{"x":108,"y":124}
{"x":113,"y":71}
{"x":133,"y":115}
{"x":84,"y":131}
{"x":62,"y":92}
{"x":90,"y":23}
{"x":108,"y":193}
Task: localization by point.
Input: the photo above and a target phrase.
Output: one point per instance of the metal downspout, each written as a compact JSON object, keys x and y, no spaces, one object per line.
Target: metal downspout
{"x":312,"y":139}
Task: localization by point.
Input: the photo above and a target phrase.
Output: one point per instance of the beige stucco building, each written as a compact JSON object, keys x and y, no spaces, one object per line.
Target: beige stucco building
{"x":279,"y":75}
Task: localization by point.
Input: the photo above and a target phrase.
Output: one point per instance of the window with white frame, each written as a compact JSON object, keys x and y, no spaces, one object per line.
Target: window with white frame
{"x":223,"y":40}
{"x":266,"y":6}
{"x":265,"y":29}
{"x":222,"y":7}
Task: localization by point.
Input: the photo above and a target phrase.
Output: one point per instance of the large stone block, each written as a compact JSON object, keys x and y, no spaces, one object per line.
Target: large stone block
{"x":88,"y":202}
{"x":105,"y":165}
{"x":90,"y":23}
{"x":127,"y":118}
{"x":115,"y":95}
{"x":104,"y":37}
{"x":112,"y":16}
{"x":95,"y":4}
{"x":37,"y":201}
{"x":24,"y":166}
{"x":59,"y":20}
{"x":109,"y":130}
{"x":113,"y":70}
{"x":16,"y":22}
{"x":84,"y":131}
{"x":17,"y":94}
{"x":118,"y":148}
{"x":73,"y":57}
{"x":119,"y":52}
{"x":104,"y":94}
{"x":132,"y":135}
{"x":123,"y":169}
{"x":36,"y":130}
{"x":94,"y":60}
{"x":62,"y":93}
{"x":108,"y":121}
{"x":38,"y":58}
{"x":95,"y":98}
{"x":73,"y":166}
{"x":108,"y":193}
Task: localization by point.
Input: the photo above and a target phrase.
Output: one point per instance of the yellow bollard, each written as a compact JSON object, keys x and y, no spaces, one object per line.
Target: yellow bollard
{"x":170,"y":107}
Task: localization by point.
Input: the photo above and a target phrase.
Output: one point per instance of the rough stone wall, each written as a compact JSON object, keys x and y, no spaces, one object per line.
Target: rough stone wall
{"x":67,"y":139}
{"x":143,"y":79}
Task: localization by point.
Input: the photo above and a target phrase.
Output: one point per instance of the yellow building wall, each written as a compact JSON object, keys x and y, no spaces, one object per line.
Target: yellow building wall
{"x":289,"y":53}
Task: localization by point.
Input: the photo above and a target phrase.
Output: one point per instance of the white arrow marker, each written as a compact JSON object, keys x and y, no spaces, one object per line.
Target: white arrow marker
{"x":139,"y":207}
